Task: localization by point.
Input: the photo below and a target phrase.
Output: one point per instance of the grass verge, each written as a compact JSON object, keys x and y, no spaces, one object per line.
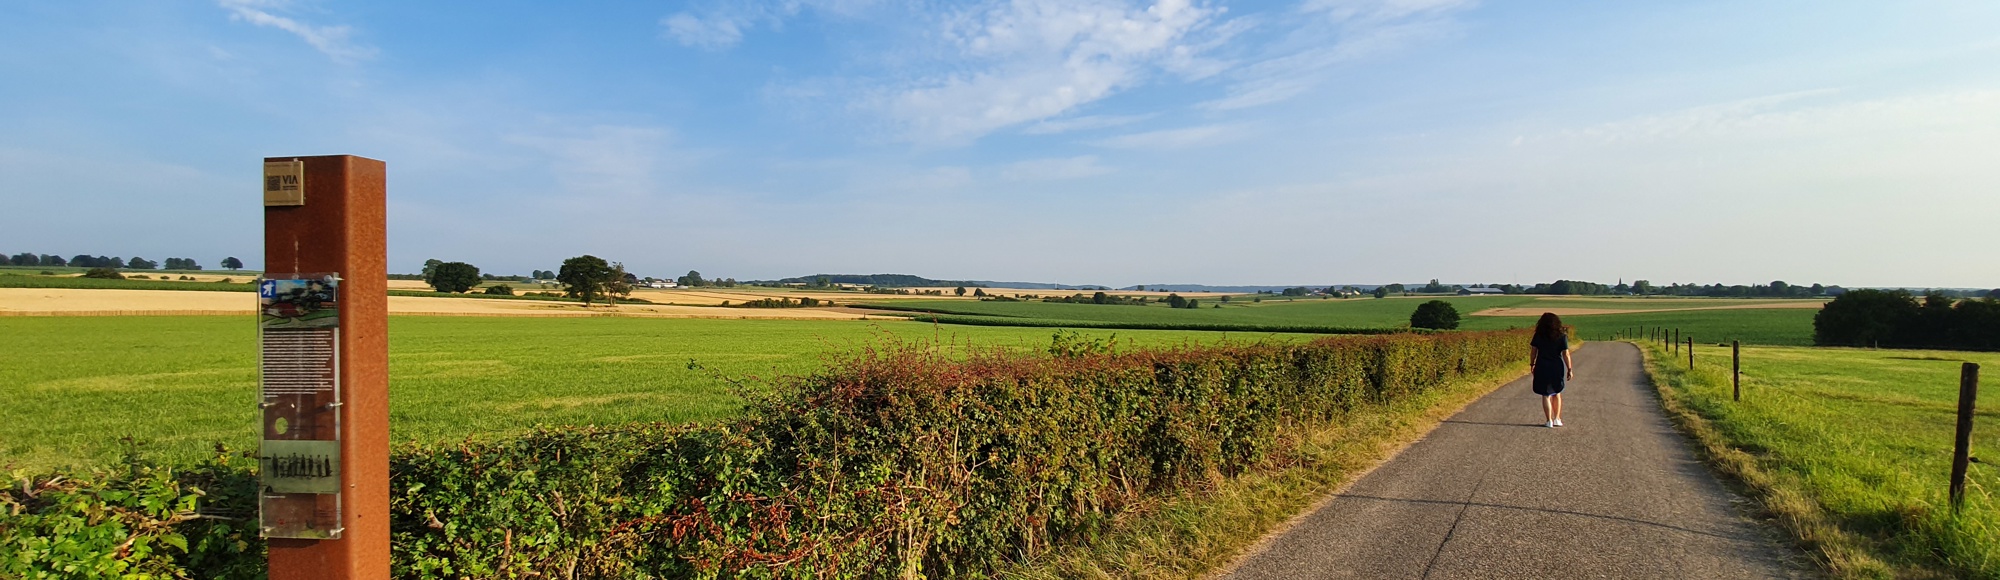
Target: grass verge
{"x":1846,"y":450}
{"x":1196,"y":534}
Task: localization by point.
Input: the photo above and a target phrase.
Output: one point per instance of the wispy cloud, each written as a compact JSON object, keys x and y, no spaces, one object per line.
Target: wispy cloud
{"x":712,"y":32}
{"x":1054,"y":169}
{"x":1184,"y":138}
{"x":1335,"y":32}
{"x":1030,"y":60}
{"x":334,"y":41}
{"x":721,"y":25}
{"x":1084,"y":123}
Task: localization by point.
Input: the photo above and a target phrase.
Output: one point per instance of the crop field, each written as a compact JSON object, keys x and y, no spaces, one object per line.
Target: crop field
{"x":1784,"y":324}
{"x":74,"y":385}
{"x":1865,"y":438}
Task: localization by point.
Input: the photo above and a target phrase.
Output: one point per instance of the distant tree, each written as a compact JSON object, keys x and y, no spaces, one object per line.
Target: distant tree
{"x":692,"y":279}
{"x":25,"y":259}
{"x":138,"y":263}
{"x":1176,"y":301}
{"x":620,"y":283}
{"x":960,"y":291}
{"x":1435,"y":315}
{"x":1992,"y":294}
{"x":1099,"y":298}
{"x":453,"y":277}
{"x":1194,"y":303}
{"x":979,"y":293}
{"x":1381,"y":291}
{"x":430,"y":266}
{"x":584,"y":277}
{"x":105,"y":273}
{"x":1141,"y":287}
{"x":500,"y":289}
{"x":1642,"y":287}
{"x":232,"y":263}
{"x":1225,"y":300}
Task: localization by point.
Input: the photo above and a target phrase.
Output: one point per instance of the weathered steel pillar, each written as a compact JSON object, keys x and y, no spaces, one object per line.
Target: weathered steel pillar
{"x":325,"y":373}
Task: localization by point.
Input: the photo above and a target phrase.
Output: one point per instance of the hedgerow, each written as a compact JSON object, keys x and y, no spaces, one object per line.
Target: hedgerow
{"x":894,"y":462}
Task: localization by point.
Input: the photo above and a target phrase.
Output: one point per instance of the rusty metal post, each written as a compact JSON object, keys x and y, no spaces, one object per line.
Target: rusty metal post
{"x":1961,"y":452}
{"x":340,"y":228}
{"x":1736,"y":369}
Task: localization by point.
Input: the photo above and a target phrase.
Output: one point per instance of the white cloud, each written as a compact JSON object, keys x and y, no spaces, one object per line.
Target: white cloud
{"x":1199,"y":136}
{"x":1054,"y":169}
{"x":1028,"y":60}
{"x":333,"y":41}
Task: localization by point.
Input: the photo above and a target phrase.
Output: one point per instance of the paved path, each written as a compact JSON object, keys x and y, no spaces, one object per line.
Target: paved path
{"x":1492,"y":493}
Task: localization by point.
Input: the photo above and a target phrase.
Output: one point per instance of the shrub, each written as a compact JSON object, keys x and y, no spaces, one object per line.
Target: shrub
{"x":1435,"y":315}
{"x":501,"y":289}
{"x":105,"y":273}
{"x":137,"y":520}
{"x":896,"y":461}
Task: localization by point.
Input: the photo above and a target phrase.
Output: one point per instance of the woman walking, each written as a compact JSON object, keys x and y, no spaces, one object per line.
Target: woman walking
{"x":1548,"y":361}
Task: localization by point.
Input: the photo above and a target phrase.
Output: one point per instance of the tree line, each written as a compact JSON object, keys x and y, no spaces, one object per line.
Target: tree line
{"x":133,"y":263}
{"x":1897,"y":319}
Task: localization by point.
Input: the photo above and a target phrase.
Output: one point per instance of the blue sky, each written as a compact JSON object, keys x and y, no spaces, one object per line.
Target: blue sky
{"x":1082,"y":141}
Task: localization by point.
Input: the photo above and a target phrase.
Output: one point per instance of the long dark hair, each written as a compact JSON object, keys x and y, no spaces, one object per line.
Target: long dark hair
{"x":1550,"y":327}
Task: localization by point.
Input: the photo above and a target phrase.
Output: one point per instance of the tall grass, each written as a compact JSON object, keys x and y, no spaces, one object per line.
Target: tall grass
{"x":1849,"y":450}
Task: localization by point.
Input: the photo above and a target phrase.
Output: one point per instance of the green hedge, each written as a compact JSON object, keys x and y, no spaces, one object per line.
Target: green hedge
{"x":1105,"y":325}
{"x":897,"y":461}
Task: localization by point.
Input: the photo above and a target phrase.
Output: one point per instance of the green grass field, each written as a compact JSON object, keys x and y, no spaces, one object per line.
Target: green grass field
{"x":1792,"y":326}
{"x":183,"y":382}
{"x":1861,"y":439}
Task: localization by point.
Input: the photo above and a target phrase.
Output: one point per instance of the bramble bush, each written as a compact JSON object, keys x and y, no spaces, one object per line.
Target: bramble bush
{"x":897,"y":461}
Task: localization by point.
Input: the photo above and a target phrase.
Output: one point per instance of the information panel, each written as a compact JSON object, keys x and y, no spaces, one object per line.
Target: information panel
{"x":298,"y":320}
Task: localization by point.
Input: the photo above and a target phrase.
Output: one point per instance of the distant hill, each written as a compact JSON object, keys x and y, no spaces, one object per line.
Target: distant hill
{"x":910,"y":281}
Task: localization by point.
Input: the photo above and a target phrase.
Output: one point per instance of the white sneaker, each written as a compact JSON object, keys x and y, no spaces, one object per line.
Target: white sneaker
{"x":1556,"y":423}
{"x":1550,"y":424}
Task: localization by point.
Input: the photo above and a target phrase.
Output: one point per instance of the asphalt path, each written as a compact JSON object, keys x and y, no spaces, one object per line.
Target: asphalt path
{"x":1492,"y":493}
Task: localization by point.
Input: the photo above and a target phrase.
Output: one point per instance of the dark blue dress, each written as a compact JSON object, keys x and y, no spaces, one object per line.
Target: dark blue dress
{"x":1549,"y":371}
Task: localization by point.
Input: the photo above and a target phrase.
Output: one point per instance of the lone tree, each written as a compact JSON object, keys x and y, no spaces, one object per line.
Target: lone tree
{"x":232,"y":263}
{"x":453,"y":277}
{"x":1435,"y":315}
{"x":585,"y":276}
{"x":960,"y":290}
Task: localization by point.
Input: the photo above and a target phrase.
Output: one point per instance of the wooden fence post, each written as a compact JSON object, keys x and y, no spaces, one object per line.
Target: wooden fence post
{"x":1690,"y":353}
{"x":1961,"y":453}
{"x":1736,"y":368}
